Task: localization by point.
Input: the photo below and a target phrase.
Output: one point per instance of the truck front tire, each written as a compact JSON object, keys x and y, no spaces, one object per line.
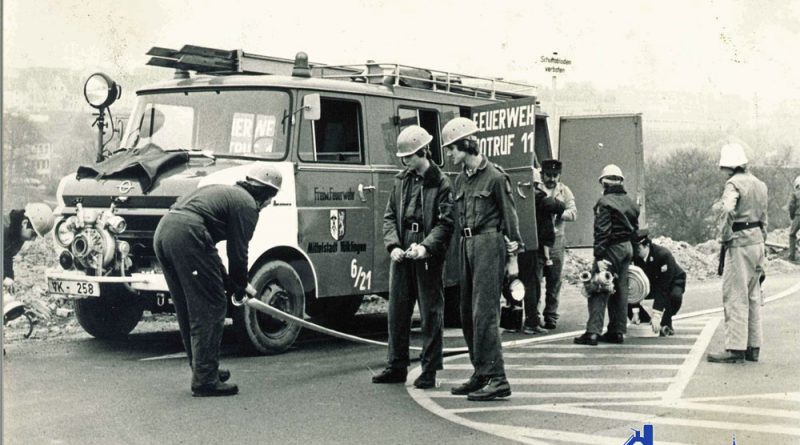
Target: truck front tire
{"x":111,"y":316}
{"x":279,"y":286}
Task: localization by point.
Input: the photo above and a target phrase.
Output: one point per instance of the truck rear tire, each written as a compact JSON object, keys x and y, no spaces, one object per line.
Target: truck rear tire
{"x":279,"y":286}
{"x":111,"y":316}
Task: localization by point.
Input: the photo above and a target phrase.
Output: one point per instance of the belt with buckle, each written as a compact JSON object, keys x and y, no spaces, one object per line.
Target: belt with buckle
{"x":739,"y":226}
{"x":414,"y":227}
{"x":469,"y":232}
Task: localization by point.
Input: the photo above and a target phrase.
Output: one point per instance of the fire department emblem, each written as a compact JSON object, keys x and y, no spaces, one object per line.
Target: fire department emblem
{"x":337,"y":224}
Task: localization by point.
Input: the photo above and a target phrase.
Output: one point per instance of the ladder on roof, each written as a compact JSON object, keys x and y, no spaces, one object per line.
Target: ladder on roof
{"x":205,"y":60}
{"x":395,"y":74}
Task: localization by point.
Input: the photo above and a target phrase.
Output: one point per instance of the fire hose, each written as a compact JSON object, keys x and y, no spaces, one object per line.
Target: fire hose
{"x":251,"y":300}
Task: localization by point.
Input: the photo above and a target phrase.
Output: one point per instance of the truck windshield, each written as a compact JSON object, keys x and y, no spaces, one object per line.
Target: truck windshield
{"x":225,"y":122}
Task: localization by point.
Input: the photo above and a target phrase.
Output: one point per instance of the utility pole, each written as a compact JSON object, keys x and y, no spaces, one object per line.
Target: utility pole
{"x":555,"y":65}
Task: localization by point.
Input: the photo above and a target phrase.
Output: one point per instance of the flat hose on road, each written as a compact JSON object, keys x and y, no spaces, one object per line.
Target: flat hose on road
{"x":260,"y":306}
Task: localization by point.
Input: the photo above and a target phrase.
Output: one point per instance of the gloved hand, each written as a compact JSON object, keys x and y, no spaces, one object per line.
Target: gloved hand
{"x":603,"y":265}
{"x":8,"y":285}
{"x":416,"y":252}
{"x":251,"y":291}
{"x":655,"y":320}
{"x":397,"y":254}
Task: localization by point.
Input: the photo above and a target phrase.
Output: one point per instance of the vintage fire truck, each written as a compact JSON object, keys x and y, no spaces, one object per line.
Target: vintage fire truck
{"x":331,"y":130}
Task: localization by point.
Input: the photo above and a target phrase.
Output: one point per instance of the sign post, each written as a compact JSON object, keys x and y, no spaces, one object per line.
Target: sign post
{"x":555,"y":65}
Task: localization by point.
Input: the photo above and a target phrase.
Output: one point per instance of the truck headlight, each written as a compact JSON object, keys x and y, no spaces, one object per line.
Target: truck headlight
{"x":65,"y":233}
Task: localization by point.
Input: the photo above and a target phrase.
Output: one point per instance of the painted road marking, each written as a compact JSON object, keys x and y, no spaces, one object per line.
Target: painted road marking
{"x":643,"y":359}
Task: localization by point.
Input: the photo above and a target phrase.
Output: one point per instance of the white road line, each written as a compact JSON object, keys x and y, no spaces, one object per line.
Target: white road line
{"x":610,"y":367}
{"x":635,"y":354}
{"x":576,"y":381}
{"x":606,"y":346}
{"x":654,"y":418}
{"x":755,"y":411}
{"x":606,"y":395}
{"x":786,"y":396}
{"x":675,"y":390}
{"x":165,"y":357}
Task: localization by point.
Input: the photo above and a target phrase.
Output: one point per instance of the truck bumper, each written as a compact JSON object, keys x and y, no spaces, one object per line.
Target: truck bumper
{"x":76,"y":284}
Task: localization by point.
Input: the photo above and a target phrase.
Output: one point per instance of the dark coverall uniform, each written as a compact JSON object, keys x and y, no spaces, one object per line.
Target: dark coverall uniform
{"x":546,"y":209}
{"x":419,"y":211}
{"x":667,"y":282}
{"x":185,"y":244}
{"x":616,"y":220}
{"x":486,"y":213}
{"x":12,"y":243}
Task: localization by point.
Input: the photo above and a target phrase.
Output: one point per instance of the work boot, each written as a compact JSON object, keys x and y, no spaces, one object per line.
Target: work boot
{"x":550,"y":325}
{"x":390,"y":375}
{"x":473,"y":384}
{"x":494,"y":388}
{"x":751,"y":354}
{"x":728,"y":356}
{"x":215,"y":390}
{"x":224,"y":375}
{"x":586,"y":339}
{"x":666,"y":331}
{"x":612,"y":337}
{"x":532,"y":330}
{"x":426,"y":380}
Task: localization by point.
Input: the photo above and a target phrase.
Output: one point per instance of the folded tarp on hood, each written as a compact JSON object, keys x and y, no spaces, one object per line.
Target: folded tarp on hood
{"x":143,"y":164}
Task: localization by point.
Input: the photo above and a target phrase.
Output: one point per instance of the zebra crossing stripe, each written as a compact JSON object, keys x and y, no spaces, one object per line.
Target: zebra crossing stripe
{"x":577,"y":381}
{"x":533,"y":355}
{"x":609,"y":367}
{"x":590,"y":395}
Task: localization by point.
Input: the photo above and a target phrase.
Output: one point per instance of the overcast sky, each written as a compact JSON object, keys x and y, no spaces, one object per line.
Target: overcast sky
{"x":745,"y":47}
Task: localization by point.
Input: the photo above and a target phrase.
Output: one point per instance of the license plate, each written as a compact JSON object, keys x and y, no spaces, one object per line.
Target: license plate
{"x":70,"y":287}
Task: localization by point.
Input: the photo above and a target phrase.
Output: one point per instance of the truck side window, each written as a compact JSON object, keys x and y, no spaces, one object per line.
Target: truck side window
{"x":336,"y":136}
{"x":427,"y":119}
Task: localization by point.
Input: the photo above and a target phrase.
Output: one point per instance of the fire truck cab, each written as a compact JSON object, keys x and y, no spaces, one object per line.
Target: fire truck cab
{"x":331,"y":130}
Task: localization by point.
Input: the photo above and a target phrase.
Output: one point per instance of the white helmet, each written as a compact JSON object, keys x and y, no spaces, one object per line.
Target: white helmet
{"x":457,"y":129}
{"x":797,"y":183}
{"x":411,"y":139}
{"x":41,"y":217}
{"x":265,"y":174}
{"x":611,"y":170}
{"x":732,"y":156}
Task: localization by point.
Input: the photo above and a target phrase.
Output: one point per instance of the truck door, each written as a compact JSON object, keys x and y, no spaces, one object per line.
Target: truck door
{"x":507,"y":137}
{"x":335,"y":196}
{"x":586,"y":145}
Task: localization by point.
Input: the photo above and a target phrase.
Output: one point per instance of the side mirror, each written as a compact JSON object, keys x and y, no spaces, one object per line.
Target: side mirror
{"x":311,"y":107}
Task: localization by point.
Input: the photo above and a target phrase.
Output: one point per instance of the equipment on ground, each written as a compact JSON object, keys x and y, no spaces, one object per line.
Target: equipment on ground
{"x":638,"y":284}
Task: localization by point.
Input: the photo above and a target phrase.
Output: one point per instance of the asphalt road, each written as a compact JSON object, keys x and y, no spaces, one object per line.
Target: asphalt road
{"x":83,"y":391}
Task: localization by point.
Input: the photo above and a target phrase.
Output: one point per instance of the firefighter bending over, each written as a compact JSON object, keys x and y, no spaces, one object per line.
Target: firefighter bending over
{"x":185,"y":244}
{"x":667,"y":284}
{"x":417,"y":227}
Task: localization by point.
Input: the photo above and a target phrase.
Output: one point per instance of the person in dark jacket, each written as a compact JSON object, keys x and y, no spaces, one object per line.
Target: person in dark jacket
{"x":19,"y":226}
{"x":185,"y":245}
{"x":667,"y":284}
{"x":417,"y":227}
{"x":489,"y":235}
{"x":547,"y":208}
{"x":616,"y":220}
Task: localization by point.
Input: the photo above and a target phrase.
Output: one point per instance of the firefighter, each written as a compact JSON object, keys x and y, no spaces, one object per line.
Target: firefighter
{"x":667,"y":284}
{"x":20,"y":225}
{"x":551,"y":176}
{"x":794,"y":214}
{"x":488,"y":232}
{"x":185,"y":244}
{"x":417,"y":227}
{"x":616,"y":220}
{"x":547,"y":208}
{"x":743,"y":232}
